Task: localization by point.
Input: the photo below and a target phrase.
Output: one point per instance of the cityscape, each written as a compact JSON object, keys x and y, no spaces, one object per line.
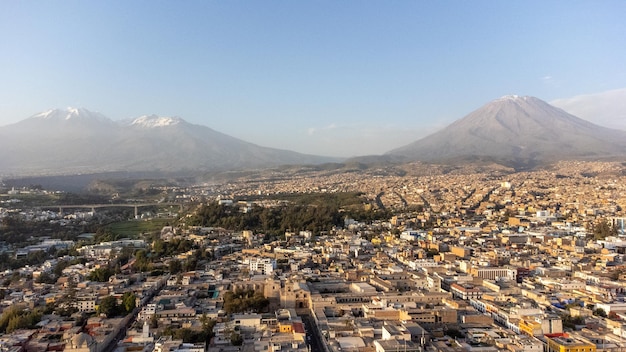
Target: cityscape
{"x":313,"y":176}
{"x":441,"y":259}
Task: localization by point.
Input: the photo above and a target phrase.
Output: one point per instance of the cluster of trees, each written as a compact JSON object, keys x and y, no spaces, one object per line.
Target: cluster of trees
{"x":109,"y":307}
{"x":312,"y":212}
{"x":274,"y":221}
{"x":570,"y":322}
{"x":175,"y":266}
{"x":599,"y":312}
{"x":602,"y":230}
{"x":101,"y":274}
{"x":245,"y":300}
{"x":8,"y":261}
{"x":144,"y":260}
{"x":102,"y":234}
{"x":15,"y":318}
{"x":189,"y":335}
{"x":161,"y":248}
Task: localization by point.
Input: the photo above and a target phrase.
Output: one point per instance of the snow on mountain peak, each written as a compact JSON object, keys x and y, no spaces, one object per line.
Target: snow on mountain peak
{"x":69,"y":114}
{"x":512,"y":97}
{"x":153,"y":121}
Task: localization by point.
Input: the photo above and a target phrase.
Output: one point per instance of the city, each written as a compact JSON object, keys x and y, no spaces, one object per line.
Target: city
{"x":312,"y":176}
{"x":438,"y":259}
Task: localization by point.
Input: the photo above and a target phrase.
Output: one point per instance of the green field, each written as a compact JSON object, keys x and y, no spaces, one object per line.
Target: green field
{"x":133,"y":228}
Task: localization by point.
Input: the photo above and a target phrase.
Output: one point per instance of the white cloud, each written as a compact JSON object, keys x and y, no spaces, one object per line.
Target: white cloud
{"x":550,"y":81}
{"x":605,"y":108}
{"x":313,"y":130}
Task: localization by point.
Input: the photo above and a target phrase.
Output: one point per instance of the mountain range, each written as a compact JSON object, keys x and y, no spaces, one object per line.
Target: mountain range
{"x":71,"y":141}
{"x":512,"y":130}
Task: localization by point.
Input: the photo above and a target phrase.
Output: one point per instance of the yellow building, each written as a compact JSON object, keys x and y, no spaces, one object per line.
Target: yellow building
{"x":285,"y":327}
{"x":569,"y":344}
{"x":461,"y":251}
{"x":530,"y":327}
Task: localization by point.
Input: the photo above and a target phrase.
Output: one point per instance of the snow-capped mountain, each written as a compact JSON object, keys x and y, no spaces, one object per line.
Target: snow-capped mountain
{"x":66,"y":141}
{"x":520,"y":130}
{"x":69,"y":114}
{"x":153,"y":121}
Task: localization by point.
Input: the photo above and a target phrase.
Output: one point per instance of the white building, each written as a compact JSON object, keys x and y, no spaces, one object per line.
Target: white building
{"x":263,"y":266}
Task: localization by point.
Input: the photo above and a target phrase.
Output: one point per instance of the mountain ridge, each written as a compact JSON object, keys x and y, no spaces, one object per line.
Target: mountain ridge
{"x":72,"y":140}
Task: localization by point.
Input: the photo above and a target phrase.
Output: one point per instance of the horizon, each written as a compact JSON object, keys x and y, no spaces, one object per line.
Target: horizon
{"x":339,"y":79}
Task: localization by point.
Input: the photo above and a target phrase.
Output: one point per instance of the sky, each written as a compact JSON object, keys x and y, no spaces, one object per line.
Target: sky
{"x":336,"y":78}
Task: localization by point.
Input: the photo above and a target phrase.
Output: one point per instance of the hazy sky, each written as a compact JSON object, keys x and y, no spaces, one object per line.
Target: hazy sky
{"x":337,"y":78}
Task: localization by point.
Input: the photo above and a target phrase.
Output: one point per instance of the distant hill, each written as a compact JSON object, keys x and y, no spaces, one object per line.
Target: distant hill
{"x":519,"y":131}
{"x":72,"y":141}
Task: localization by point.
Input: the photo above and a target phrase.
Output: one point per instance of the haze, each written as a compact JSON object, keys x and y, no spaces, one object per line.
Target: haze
{"x":327,"y":78}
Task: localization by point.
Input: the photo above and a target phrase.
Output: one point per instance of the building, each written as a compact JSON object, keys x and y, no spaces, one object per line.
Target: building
{"x":263,"y":266}
{"x":465,"y":291}
{"x":569,"y":344}
{"x":494,"y":273}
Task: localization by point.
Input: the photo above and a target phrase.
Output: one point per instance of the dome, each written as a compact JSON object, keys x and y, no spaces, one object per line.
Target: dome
{"x":82,"y":340}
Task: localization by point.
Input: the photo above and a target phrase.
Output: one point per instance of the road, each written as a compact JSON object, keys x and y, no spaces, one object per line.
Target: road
{"x":315,"y":341}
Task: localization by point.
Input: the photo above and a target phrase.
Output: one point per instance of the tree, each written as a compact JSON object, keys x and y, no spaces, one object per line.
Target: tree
{"x":599,"y":312}
{"x":154,"y":321}
{"x":190,"y":264}
{"x":7,"y":315}
{"x":175,"y":266}
{"x":571,"y":322}
{"x":454,"y":333}
{"x":108,"y":306}
{"x":603,"y":229}
{"x":158,"y":247}
{"x":58,"y":269}
{"x":46,"y":278}
{"x":207,"y":325}
{"x":236,"y":339}
{"x":101,"y":274}
{"x":241,"y":301}
{"x":129,"y":302}
{"x":142,"y":262}
{"x":15,"y":318}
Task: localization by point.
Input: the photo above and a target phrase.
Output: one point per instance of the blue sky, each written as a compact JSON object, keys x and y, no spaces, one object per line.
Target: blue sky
{"x":338,"y":78}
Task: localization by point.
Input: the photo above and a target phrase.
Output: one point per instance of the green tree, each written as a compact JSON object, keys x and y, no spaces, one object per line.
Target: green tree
{"x":236,"y":339}
{"x":15,"y":318}
{"x":101,"y":274}
{"x":241,"y":301}
{"x":7,"y":315}
{"x":207,"y":324}
{"x":154,"y":321}
{"x":603,"y":229}
{"x":571,"y":322}
{"x":599,"y":312}
{"x":158,"y":247}
{"x":190,"y":264}
{"x":46,"y":278}
{"x":175,"y":266}
{"x":58,"y":269}
{"x":142,"y":262}
{"x":129,"y":302}
{"x":108,"y":306}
